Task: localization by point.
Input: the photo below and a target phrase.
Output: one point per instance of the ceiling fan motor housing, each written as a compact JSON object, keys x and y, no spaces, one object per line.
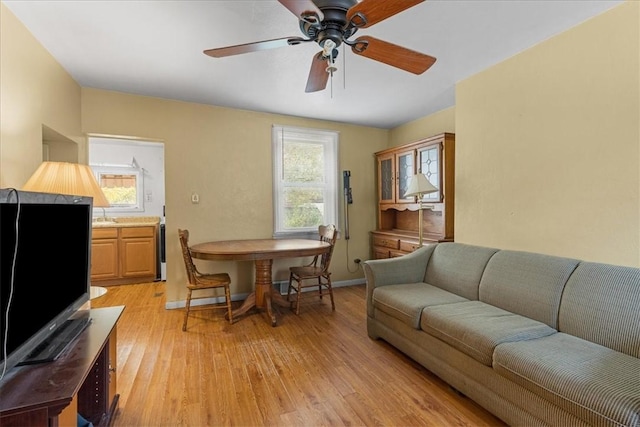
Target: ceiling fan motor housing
{"x":334,"y":26}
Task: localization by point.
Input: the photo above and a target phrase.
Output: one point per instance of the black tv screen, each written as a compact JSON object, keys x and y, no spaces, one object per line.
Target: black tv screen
{"x":45,"y":278}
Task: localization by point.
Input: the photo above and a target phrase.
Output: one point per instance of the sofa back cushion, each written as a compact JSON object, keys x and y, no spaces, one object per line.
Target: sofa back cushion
{"x":601,"y":304}
{"x":527,"y":284}
{"x":457,"y":268}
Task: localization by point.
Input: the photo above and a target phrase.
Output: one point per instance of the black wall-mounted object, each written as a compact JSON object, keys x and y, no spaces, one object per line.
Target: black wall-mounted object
{"x":348,"y":199}
{"x":346,"y":177}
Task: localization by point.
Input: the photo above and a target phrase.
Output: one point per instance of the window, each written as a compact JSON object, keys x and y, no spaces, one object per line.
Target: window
{"x":122,"y":186}
{"x":305,"y":172}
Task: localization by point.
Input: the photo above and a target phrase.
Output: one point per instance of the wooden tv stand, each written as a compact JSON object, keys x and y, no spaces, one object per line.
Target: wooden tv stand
{"x":82,"y":380}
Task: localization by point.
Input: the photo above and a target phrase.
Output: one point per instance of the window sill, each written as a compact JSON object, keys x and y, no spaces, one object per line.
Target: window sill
{"x":308,"y":235}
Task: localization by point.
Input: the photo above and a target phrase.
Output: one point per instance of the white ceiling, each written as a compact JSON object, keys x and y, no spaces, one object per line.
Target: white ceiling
{"x":154,"y":48}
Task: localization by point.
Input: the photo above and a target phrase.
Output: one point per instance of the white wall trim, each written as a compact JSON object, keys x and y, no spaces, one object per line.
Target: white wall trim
{"x":241,"y":297}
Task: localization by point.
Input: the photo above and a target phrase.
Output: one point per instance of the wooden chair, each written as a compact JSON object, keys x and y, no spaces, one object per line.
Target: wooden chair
{"x":199,"y":281}
{"x":317,"y":270}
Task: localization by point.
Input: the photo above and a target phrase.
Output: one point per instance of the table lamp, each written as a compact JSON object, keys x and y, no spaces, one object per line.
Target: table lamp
{"x":419,"y":185}
{"x":66,"y":178}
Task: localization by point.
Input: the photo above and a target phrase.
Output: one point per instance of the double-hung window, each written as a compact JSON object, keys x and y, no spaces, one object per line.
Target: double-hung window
{"x":305,"y":184}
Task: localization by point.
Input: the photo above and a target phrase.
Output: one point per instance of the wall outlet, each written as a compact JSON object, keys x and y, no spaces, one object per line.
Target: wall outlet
{"x":357,"y":260}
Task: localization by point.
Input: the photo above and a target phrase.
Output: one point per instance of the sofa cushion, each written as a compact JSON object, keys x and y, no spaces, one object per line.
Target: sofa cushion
{"x":406,"y":301}
{"x":526,"y":283}
{"x":595,"y":383}
{"x":601,"y":304}
{"x":476,"y":328}
{"x":457,"y":268}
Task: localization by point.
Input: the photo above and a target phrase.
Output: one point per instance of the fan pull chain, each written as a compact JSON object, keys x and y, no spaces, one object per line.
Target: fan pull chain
{"x":344,"y":68}
{"x":328,"y":47}
{"x":331,"y":85}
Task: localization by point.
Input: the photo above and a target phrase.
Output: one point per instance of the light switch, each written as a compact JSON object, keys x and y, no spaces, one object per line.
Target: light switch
{"x":195,"y":198}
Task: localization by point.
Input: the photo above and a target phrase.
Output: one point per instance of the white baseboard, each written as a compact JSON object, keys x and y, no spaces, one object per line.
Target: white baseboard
{"x":282,"y":286}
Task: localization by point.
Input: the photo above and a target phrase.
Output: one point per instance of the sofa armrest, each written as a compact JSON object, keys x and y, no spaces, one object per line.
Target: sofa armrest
{"x":410,"y":268}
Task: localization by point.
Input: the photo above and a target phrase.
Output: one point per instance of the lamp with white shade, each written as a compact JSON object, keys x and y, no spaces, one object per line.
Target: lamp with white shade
{"x":419,"y":185}
{"x":66,"y":178}
{"x":71,"y":179}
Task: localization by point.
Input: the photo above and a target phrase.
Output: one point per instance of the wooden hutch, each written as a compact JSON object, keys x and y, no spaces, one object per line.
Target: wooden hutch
{"x":397,"y":232}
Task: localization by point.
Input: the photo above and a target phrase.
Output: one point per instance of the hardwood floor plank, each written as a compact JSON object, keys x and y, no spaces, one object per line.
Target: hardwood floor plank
{"x":318,"y":368}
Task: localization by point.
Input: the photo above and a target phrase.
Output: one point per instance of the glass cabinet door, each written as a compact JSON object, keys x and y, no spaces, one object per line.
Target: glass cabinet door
{"x":429,"y":166}
{"x":406,"y":169}
{"x":386,"y":174}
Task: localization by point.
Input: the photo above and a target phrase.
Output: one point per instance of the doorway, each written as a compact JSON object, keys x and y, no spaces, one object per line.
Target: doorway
{"x":134,"y":170}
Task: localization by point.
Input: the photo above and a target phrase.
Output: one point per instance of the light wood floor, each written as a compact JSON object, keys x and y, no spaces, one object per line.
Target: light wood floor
{"x":319,"y":368}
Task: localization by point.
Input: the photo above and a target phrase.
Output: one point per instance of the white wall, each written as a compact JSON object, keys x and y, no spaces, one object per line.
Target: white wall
{"x":148,"y":154}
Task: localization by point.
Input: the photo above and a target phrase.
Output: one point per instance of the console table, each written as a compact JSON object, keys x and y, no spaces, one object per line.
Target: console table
{"x":82,"y":380}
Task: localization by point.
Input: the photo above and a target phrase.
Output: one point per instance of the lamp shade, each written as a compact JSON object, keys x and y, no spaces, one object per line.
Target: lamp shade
{"x":66,"y":178}
{"x":419,"y":185}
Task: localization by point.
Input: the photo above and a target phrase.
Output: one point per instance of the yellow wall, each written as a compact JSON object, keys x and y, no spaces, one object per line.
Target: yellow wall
{"x":225,"y":156}
{"x":36,"y":91}
{"x":548,"y":143}
{"x":433,"y":124}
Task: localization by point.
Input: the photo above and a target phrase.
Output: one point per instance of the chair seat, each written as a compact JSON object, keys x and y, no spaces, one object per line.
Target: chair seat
{"x":306,"y":271}
{"x":209,"y":280}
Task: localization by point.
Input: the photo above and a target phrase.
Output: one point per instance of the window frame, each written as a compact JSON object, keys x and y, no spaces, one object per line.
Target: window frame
{"x":331,"y":193}
{"x":123,"y":170}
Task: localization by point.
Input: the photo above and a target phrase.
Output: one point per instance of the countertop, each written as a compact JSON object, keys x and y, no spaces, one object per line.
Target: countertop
{"x":121,"y":222}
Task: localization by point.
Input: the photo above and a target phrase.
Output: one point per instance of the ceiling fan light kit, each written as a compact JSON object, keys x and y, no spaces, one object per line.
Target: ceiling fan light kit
{"x":330,"y":23}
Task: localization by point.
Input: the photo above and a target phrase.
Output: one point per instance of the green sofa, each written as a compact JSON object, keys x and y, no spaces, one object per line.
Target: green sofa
{"x":535,"y":339}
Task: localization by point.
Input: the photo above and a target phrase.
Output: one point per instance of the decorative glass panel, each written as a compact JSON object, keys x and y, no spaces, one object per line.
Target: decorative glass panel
{"x":430,"y":167}
{"x":405,"y":171}
{"x":386,"y":179}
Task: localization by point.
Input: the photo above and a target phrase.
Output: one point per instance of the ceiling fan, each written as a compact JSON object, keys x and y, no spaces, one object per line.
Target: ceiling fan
{"x":331,"y":23}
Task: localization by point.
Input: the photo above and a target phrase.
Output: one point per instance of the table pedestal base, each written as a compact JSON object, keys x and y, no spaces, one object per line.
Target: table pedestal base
{"x":263,"y":298}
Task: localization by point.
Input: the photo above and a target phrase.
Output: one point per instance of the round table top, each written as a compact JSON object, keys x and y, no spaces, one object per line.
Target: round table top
{"x":258,"y":249}
{"x":96,"y":291}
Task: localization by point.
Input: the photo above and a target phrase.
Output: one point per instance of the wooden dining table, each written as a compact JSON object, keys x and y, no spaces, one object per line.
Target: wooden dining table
{"x":262,"y":252}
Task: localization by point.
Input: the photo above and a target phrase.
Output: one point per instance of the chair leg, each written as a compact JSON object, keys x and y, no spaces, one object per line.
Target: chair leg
{"x":227,"y":293}
{"x":289,"y":288}
{"x":333,"y":305}
{"x":186,"y":312}
{"x":299,"y":289}
{"x":320,"y":287}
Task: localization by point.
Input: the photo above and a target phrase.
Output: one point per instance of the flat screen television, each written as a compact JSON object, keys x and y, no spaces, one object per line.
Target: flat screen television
{"x":45,"y":257}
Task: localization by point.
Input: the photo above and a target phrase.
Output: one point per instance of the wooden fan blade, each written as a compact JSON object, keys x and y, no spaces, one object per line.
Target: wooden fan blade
{"x":318,"y":76}
{"x":253,"y":47}
{"x":391,"y":54}
{"x":302,"y":8}
{"x":374,"y":11}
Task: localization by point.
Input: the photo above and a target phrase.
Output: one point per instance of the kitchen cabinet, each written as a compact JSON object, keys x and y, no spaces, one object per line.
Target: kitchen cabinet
{"x":104,"y":254}
{"x":123,"y":254}
{"x":397,"y":231}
